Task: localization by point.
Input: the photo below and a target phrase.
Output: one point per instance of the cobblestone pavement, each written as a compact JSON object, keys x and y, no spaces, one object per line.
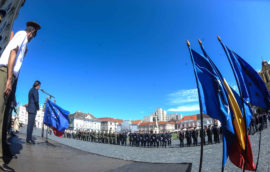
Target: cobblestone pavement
{"x":212,"y":155}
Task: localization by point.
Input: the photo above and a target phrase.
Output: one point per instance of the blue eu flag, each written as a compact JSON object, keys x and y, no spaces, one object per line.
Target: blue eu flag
{"x":252,"y":86}
{"x":56,"y":117}
{"x":213,"y":97}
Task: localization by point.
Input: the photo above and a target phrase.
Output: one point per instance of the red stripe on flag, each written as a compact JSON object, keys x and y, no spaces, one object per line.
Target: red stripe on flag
{"x":58,"y":133}
{"x":237,"y":155}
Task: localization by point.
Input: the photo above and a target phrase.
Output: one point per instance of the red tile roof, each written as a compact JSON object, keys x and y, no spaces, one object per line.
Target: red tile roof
{"x":192,"y":118}
{"x":137,"y":122}
{"x":119,"y":121}
{"x":146,"y":123}
{"x":159,"y":123}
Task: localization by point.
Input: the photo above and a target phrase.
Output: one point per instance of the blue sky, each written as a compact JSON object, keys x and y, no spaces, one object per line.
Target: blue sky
{"x":124,"y":59}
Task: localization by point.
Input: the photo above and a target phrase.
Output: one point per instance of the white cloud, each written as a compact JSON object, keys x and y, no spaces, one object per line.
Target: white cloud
{"x":184,"y":96}
{"x":186,"y":108}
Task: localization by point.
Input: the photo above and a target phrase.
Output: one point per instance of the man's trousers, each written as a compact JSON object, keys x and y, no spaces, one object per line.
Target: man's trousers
{"x":30,"y":125}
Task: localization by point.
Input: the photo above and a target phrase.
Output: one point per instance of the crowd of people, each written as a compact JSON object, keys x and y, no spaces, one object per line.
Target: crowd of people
{"x":187,"y":137}
{"x":190,"y":136}
{"x":134,"y":139}
{"x":142,"y":139}
{"x":258,"y":123}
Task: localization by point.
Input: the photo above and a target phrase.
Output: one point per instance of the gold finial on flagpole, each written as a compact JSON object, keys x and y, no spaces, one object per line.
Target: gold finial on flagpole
{"x":219,"y":39}
{"x":200,"y":42}
{"x":188,"y":43}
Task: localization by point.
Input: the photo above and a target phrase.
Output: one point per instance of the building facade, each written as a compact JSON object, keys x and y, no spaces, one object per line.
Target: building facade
{"x":84,"y":121}
{"x":194,"y":121}
{"x":134,"y":127}
{"x":110,"y":124}
{"x":173,"y":117}
{"x":265,"y":74}
{"x":150,"y":127}
{"x":160,"y":115}
{"x":131,"y":126}
{"x":23,"y":116}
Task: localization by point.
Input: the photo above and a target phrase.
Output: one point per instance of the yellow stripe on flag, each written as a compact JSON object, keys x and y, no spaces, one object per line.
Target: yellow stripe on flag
{"x":238,"y":121}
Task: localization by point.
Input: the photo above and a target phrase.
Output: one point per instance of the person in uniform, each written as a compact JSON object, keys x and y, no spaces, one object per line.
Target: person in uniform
{"x":134,"y":138}
{"x":130,"y":139}
{"x":196,"y":136}
{"x":251,"y":126}
{"x":119,"y":138}
{"x":124,"y":138}
{"x":215,"y":132}
{"x":181,"y":138}
{"x":256,"y":122}
{"x":209,"y":134}
{"x":158,"y":139}
{"x":193,"y":136}
{"x":144,"y":140}
{"x":138,"y":139}
{"x":169,"y":136}
{"x":202,"y":134}
{"x":10,"y":63}
{"x":154,"y":138}
{"x":165,"y":140}
{"x":219,"y":134}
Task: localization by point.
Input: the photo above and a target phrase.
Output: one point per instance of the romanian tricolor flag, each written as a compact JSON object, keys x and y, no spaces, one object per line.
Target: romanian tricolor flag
{"x":237,"y":149}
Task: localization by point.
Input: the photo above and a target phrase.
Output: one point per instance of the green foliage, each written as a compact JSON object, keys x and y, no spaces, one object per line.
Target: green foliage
{"x":175,"y":136}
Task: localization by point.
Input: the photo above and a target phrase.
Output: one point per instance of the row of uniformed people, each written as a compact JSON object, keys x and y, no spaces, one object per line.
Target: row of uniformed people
{"x":150,"y":139}
{"x":192,"y":135}
{"x":100,"y":137}
{"x":258,"y":122}
{"x":135,"y":139}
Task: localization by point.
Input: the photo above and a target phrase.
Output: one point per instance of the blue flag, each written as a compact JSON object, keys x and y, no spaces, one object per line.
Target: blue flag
{"x":56,"y":117}
{"x":252,"y":86}
{"x":247,"y":109}
{"x":213,"y":98}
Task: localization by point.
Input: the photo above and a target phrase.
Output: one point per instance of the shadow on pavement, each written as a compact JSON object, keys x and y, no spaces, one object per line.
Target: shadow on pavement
{"x":10,"y":151}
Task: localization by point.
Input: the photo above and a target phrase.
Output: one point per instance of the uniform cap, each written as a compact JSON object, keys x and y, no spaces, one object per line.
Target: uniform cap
{"x":33,"y":24}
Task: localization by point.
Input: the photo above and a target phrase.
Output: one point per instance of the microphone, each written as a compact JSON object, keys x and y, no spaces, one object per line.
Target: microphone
{"x":46,"y":93}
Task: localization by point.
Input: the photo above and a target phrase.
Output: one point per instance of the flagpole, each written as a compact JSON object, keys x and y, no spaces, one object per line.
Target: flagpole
{"x":49,"y":96}
{"x":42,"y":129}
{"x":200,"y":103}
{"x":240,"y":92}
{"x":257,"y":163}
{"x":205,"y":54}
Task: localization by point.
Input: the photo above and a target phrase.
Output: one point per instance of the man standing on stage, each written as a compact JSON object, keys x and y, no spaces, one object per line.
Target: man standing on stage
{"x":10,"y":63}
{"x":32,"y":108}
